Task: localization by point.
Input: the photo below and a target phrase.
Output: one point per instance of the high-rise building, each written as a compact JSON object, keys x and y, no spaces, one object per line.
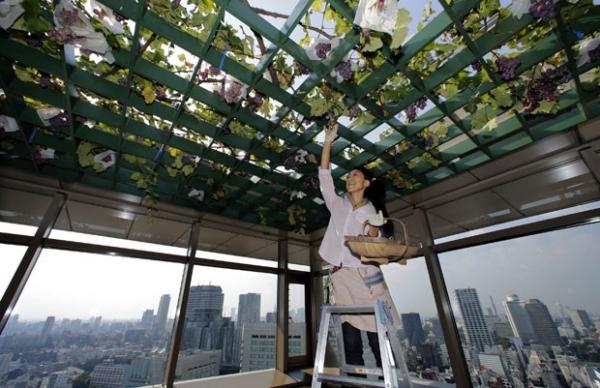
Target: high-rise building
{"x":5,"y":362}
{"x":248,"y":309}
{"x":228,"y":339}
{"x":519,"y":319}
{"x":160,"y":323}
{"x":204,"y":318}
{"x":109,"y":376}
{"x":258,"y":344}
{"x":198,"y":364}
{"x":471,"y":318}
{"x":46,"y":330}
{"x":147,"y":318}
{"x":413,"y":329}
{"x":543,"y":325}
{"x":436,"y":327}
{"x":581,"y":320}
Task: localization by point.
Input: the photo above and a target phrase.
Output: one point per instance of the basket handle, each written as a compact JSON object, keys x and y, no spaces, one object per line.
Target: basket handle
{"x":404,"y":231}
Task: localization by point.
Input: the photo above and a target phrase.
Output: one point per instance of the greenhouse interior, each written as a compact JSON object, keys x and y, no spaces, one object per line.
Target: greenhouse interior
{"x":167,"y":171}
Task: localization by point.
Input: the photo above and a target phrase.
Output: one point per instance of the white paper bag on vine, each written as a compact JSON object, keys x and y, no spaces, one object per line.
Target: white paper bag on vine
{"x":87,"y":37}
{"x":377,"y":15}
{"x":10,"y":11}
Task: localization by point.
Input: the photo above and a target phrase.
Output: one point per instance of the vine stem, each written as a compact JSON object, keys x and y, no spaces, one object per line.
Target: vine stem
{"x":282,"y":16}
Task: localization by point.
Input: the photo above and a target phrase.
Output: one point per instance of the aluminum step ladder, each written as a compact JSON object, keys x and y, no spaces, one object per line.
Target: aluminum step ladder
{"x":393,"y":370}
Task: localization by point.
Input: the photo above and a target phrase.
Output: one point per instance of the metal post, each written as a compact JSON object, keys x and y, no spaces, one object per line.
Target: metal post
{"x":180,"y":312}
{"x":459,"y":365}
{"x":317,"y":297}
{"x":19,"y":279}
{"x":591,"y":158}
{"x":281,"y":338}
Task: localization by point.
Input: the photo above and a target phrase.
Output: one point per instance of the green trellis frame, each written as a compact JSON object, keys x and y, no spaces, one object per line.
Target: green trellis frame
{"x":251,"y":199}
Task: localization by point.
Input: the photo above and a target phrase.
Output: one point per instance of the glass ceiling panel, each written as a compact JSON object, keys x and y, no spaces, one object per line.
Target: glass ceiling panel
{"x":220,"y":104}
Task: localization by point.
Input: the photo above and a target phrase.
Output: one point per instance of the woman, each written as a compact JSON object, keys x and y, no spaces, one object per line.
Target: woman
{"x":351,"y":281}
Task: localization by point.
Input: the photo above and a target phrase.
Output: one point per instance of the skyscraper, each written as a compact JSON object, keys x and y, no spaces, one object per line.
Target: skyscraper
{"x":471,"y":317}
{"x":581,"y":320}
{"x":413,"y":329}
{"x":519,"y":319}
{"x":160,"y":323}
{"x":543,"y":325}
{"x":147,"y":318}
{"x":248,"y":309}
{"x":204,"y":318}
{"x":46,"y":330}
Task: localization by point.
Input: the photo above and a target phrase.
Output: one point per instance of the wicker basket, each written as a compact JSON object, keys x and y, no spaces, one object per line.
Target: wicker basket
{"x":379,"y":250}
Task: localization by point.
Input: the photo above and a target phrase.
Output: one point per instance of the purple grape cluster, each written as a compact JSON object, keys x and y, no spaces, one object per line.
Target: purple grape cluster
{"x":291,"y":163}
{"x":476,"y":66}
{"x":68,"y":17}
{"x":558,"y":75}
{"x":232,"y":92}
{"x":507,"y":67}
{"x":344,"y":69}
{"x":545,"y":88}
{"x":119,"y":17}
{"x":161,"y":94}
{"x":214,"y":71}
{"x":543,"y":9}
{"x":594,"y":54}
{"x":301,"y":69}
{"x":62,"y":35}
{"x":45,"y":81}
{"x":187,"y":160}
{"x":60,"y":120}
{"x":33,"y":40}
{"x":423,"y":142}
{"x":203,"y":74}
{"x":322,"y":49}
{"x":255,"y":101}
{"x":310,"y":183}
{"x":411,"y":110}
{"x":354,"y":111}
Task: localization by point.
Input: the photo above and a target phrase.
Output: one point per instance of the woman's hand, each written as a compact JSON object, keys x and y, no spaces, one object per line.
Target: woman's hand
{"x":331,"y":133}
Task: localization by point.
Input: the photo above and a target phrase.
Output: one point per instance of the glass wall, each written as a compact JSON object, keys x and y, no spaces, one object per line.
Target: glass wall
{"x":10,"y":258}
{"x":91,"y":320}
{"x":230,"y":323}
{"x":528,"y":309}
{"x":420,"y":331}
{"x":297,"y":320}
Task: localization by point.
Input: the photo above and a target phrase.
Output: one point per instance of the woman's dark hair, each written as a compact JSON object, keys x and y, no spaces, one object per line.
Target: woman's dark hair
{"x":376,"y":194}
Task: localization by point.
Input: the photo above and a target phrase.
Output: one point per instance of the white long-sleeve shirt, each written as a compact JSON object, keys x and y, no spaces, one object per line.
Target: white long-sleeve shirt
{"x":344,"y":221}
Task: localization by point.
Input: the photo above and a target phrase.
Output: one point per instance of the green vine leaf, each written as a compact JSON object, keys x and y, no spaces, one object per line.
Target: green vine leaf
{"x":502,"y":96}
{"x":401,"y":30}
{"x":547,"y":107}
{"x":374,"y":44}
{"x":481,"y":119}
{"x":318,"y":106}
{"x":32,"y":17}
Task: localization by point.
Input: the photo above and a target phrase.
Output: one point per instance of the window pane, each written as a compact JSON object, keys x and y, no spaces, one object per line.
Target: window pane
{"x":297,"y":320}
{"x":421,"y":335}
{"x":91,"y":319}
{"x":229,"y":325}
{"x":528,"y":308}
{"x":10,"y":258}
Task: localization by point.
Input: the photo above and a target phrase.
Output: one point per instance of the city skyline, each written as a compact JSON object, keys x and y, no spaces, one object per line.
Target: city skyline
{"x":51,"y":284}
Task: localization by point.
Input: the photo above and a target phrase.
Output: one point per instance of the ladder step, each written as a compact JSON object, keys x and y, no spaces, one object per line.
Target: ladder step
{"x":356,"y":381}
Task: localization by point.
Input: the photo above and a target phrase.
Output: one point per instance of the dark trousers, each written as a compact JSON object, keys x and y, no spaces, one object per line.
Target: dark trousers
{"x":353,"y":346}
